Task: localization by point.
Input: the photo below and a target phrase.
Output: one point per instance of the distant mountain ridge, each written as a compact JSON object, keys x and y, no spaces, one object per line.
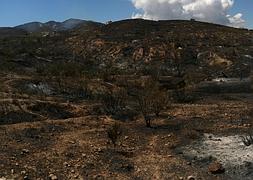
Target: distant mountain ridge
{"x":55,"y":26}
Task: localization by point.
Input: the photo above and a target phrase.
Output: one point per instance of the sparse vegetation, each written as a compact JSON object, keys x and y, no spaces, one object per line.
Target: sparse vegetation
{"x":251,"y":80}
{"x":132,"y":72}
{"x":151,"y":100}
{"x":114,"y":101}
{"x":114,"y":133}
{"x":161,"y":102}
{"x":247,"y":140}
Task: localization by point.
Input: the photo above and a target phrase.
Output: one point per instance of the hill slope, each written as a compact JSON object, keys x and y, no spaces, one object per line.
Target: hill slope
{"x":139,"y":46}
{"x":8,"y":32}
{"x":141,"y":42}
{"x":67,"y":96}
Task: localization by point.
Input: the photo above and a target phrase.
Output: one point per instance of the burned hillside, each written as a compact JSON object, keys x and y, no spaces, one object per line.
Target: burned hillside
{"x":208,"y":48}
{"x":132,"y":99}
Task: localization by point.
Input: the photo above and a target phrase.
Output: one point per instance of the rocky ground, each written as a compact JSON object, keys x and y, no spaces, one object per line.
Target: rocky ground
{"x":229,"y":150}
{"x":66,"y":140}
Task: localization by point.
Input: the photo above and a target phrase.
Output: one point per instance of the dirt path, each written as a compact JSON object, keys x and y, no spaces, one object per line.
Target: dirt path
{"x":155,"y":158}
{"x":151,"y":163}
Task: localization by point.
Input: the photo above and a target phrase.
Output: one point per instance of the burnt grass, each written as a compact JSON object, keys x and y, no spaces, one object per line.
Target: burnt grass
{"x":80,"y":147}
{"x":39,"y":111}
{"x":49,"y":135}
{"x":17,"y":117}
{"x":51,"y":111}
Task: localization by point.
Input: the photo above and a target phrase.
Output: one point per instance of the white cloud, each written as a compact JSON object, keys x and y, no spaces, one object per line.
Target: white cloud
{"x":215,"y":11}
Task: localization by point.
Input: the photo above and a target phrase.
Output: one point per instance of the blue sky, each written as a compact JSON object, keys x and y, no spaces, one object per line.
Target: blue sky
{"x":15,"y":12}
{"x":246,"y":8}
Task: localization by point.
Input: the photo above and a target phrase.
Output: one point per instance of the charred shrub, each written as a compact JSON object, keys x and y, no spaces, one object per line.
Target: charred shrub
{"x":151,"y":100}
{"x":247,"y":140}
{"x":50,"y":110}
{"x":184,"y":93}
{"x":114,"y":101}
{"x":114,"y":133}
{"x":69,"y":79}
{"x":161,"y":102}
{"x":15,"y":117}
{"x":182,"y":96}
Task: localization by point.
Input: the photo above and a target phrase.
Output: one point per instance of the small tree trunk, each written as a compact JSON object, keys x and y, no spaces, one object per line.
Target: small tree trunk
{"x":114,"y":146}
{"x":148,"y":121}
